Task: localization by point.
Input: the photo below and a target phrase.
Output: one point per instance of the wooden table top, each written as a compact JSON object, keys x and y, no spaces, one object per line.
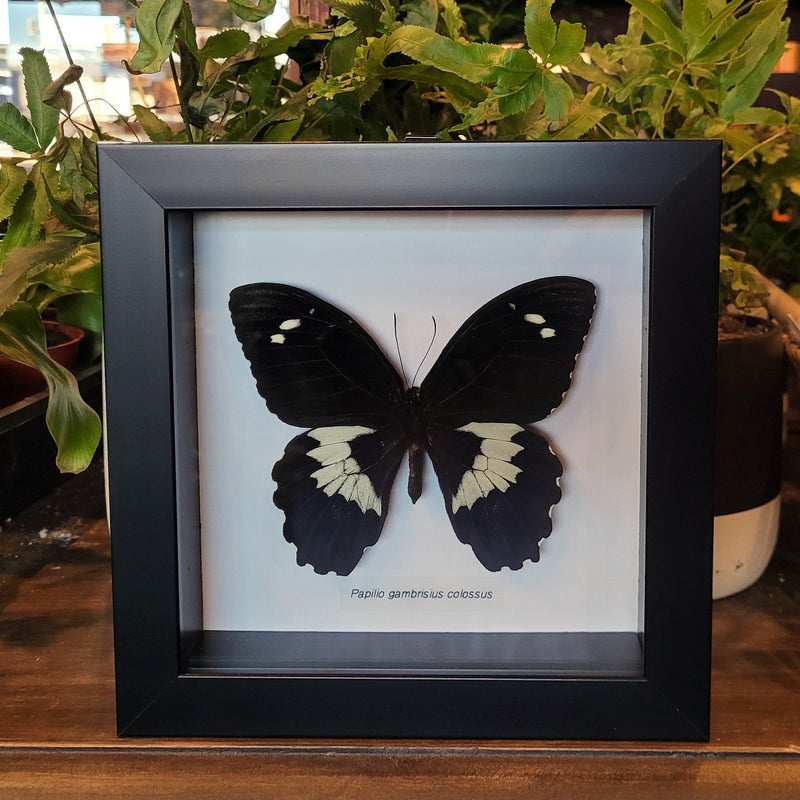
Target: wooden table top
{"x":57,"y":723}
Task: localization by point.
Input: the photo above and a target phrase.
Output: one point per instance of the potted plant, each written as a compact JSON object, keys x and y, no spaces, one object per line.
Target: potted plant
{"x":49,"y":267}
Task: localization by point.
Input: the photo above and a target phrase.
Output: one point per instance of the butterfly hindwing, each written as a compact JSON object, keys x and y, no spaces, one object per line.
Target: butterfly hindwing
{"x":313,"y":364}
{"x":500,"y":483}
{"x":333,"y":487}
{"x":512,"y":360}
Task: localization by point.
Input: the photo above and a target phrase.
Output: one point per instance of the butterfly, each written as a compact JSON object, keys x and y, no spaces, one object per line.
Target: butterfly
{"x":510,"y":364}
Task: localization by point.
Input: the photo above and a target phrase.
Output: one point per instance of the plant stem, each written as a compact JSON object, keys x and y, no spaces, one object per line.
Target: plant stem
{"x":184,"y":110}
{"x":68,"y":54}
{"x":669,"y":99}
{"x":752,"y":150}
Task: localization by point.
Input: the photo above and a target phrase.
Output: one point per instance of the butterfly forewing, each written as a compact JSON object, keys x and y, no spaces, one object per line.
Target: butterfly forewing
{"x":313,"y":364}
{"x":333,"y":487}
{"x":512,"y":360}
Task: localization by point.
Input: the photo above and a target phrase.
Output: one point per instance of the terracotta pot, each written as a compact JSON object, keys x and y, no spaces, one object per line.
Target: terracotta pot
{"x":749,"y":425}
{"x":18,"y":381}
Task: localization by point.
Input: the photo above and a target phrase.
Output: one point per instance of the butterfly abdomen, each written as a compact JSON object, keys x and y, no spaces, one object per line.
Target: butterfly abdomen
{"x":416,"y":434}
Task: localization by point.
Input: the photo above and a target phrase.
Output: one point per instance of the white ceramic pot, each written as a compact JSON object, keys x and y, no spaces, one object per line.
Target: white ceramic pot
{"x":743,"y":545}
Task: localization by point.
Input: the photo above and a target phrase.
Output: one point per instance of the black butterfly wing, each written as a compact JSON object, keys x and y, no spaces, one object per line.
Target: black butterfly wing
{"x":500,"y":483}
{"x":317,"y":368}
{"x":313,"y":364}
{"x":333,"y":487}
{"x":512,"y":360}
{"x":509,"y":364}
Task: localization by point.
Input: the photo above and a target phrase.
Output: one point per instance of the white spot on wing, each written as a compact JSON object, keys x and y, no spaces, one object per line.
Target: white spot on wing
{"x":340,"y":472}
{"x":331,"y":453}
{"x":536,"y":319}
{"x":289,"y":324}
{"x":338,"y":433}
{"x":547,"y":333}
{"x":277,"y":338}
{"x":492,"y":468}
{"x":501,"y":431}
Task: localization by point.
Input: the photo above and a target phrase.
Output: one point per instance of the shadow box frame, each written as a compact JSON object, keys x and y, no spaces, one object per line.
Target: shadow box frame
{"x":173,"y":678}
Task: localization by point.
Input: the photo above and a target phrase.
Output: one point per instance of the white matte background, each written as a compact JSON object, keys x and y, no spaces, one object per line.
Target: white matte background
{"x":417,"y":265}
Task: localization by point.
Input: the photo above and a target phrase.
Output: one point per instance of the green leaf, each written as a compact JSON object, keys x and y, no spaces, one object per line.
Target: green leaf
{"x":341,"y":52}
{"x":473,"y":61}
{"x":289,"y":36}
{"x":12,"y":182}
{"x":42,"y":171}
{"x":530,"y":124}
{"x":747,"y":49}
{"x":744,"y":93}
{"x":156,"y":22}
{"x":283,"y":131}
{"x":74,"y":426}
{"x":260,"y":80}
{"x":453,"y":20}
{"x":726,"y":37}
{"x":22,"y":261}
{"x":517,"y":68}
{"x":62,"y":214}
{"x":540,"y":28}
{"x":16,"y":130}
{"x":156,"y":129}
{"x":44,"y":118}
{"x":365,"y":14}
{"x":224,"y":44}
{"x":424,"y":13}
{"x":758,"y":116}
{"x":694,"y":17}
{"x":185,"y":30}
{"x":569,"y":43}
{"x":581,"y":118}
{"x":21,"y":224}
{"x":77,"y":274}
{"x":88,"y":151}
{"x":660,"y":21}
{"x":249,"y":12}
{"x":502,"y":102}
{"x":557,"y":96}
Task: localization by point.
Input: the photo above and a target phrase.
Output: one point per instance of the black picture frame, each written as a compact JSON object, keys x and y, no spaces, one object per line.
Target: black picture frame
{"x":175,"y":679}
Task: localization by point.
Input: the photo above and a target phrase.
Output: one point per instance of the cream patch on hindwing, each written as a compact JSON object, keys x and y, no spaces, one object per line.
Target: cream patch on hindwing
{"x":492,"y":468}
{"x":339,"y":472}
{"x":277,"y":338}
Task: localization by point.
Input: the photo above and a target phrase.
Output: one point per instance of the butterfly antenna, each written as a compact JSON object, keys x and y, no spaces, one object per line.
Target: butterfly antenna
{"x":399,"y":354}
{"x":427,"y":352}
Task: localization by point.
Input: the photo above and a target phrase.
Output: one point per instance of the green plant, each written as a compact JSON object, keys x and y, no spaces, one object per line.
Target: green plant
{"x":680,"y":70}
{"x":50,"y":251}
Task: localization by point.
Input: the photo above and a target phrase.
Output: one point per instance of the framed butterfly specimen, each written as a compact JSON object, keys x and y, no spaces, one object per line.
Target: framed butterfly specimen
{"x":510,"y":363}
{"x":309,"y":541}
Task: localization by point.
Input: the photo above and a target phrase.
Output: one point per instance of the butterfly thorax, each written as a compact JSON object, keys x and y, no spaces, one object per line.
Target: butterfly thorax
{"x":416,"y":435}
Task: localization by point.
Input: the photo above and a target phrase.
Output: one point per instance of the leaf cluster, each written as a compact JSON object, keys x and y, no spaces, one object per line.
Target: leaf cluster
{"x":50,"y":251}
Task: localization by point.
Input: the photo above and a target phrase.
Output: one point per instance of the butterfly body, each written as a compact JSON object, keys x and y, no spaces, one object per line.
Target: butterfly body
{"x":507,"y":366}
